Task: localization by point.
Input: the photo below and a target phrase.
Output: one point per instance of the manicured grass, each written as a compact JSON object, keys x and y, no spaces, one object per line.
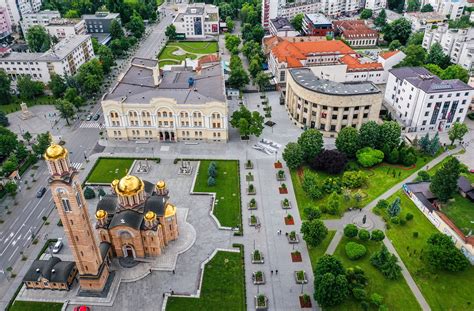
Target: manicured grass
{"x":316,"y":252}
{"x":380,"y":179}
{"x":19,"y":305}
{"x":443,"y":290}
{"x":193,"y":49}
{"x":108,"y":169}
{"x":15,"y":105}
{"x":461,"y":211}
{"x":222,"y":287}
{"x":227,"y":189}
{"x":397,"y":295}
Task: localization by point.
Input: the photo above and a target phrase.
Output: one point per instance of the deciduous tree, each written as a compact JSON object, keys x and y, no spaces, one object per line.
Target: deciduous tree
{"x":293,"y":155}
{"x":347,"y":141}
{"x":444,"y":255}
{"x":331,"y":161}
{"x":66,"y":109}
{"x":314,"y":231}
{"x":5,"y":87}
{"x":297,"y":22}
{"x":444,"y":182}
{"x":57,"y":85}
{"x":38,"y":39}
{"x":311,"y":142}
{"x":369,"y":134}
{"x":457,"y":131}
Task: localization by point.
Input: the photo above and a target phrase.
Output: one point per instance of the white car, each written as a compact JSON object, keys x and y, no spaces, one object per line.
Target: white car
{"x":57,"y":246}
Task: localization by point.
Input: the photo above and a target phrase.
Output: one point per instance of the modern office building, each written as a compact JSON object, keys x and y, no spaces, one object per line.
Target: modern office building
{"x":197,"y":20}
{"x":316,"y":25}
{"x":64,"y":59}
{"x":423,"y":102}
{"x":98,"y":25}
{"x":175,"y":105}
{"x":329,"y":106}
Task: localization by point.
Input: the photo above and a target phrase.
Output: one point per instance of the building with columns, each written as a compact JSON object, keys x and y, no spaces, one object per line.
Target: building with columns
{"x":327,"y":105}
{"x":91,"y":259}
{"x":174,"y":105}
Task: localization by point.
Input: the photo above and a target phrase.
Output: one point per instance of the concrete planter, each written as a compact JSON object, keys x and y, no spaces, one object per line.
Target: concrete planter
{"x":280,"y":177}
{"x":252,"y":192}
{"x":259,"y":281}
{"x":249,"y":177}
{"x":296,"y":240}
{"x":285,"y":205}
{"x":255,"y":222}
{"x":259,"y":260}
{"x":305,"y":302}
{"x":252,"y":207}
{"x":261,"y":305}
{"x":248,"y":165}
{"x":304,"y":280}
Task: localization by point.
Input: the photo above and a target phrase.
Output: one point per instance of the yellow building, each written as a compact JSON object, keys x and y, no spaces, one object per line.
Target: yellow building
{"x":174,"y":105}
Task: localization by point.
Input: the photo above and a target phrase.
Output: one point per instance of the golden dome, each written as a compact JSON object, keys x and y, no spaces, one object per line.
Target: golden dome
{"x":150,"y":215}
{"x":55,"y":152}
{"x":129,"y":185}
{"x":170,"y":210}
{"x":115,"y":182}
{"x":161,"y":184}
{"x":100,"y":214}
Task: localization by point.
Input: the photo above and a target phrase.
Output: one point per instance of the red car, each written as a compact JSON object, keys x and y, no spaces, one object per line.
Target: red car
{"x":82,"y":308}
{"x":471,"y":171}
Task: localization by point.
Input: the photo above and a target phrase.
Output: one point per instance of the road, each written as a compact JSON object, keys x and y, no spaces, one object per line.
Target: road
{"x":25,"y":219}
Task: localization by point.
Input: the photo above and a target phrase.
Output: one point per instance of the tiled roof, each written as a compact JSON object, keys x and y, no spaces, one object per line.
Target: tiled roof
{"x":353,"y":64}
{"x":387,"y":55}
{"x":355,"y":29}
{"x":293,"y":53}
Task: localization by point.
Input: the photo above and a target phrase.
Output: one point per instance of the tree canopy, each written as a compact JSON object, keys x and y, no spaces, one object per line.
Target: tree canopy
{"x":444,"y":182}
{"x":38,"y":39}
{"x":247,"y":122}
{"x":457,"y":132}
{"x":347,"y":141}
{"x":5,"y":87}
{"x":311,"y":142}
{"x":297,"y":22}
{"x":293,"y":155}
{"x":314,"y":231}
{"x":399,"y":29}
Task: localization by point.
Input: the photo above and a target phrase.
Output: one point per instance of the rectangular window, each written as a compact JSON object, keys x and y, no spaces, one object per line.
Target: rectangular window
{"x":66,"y":205}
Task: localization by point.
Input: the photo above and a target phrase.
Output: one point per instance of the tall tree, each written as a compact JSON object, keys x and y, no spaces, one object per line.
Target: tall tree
{"x":455,"y":72}
{"x":38,"y":39}
{"x":43,"y":141}
{"x":5,"y":87}
{"x":8,"y":142}
{"x":229,"y":23}
{"x":442,"y":254}
{"x":394,"y":208}
{"x":248,"y":123}
{"x":116,"y":31}
{"x":413,"y":5}
{"x":399,"y":29}
{"x":369,"y":134}
{"x":366,"y":14}
{"x":238,"y":78}
{"x":106,"y":58}
{"x":262,"y":80}
{"x":57,"y":85}
{"x":136,"y":26}
{"x":457,"y":131}
{"x":170,"y":32}
{"x":390,"y":133}
{"x":90,"y":77}
{"x":330,"y":283}
{"x":415,"y":56}
{"x":293,"y":155}
{"x":4,"y":119}
{"x":381,"y":19}
{"x":444,"y":182}
{"x":66,"y":109}
{"x":427,"y":8}
{"x":232,"y":42}
{"x":297,"y":22}
{"x":347,"y":141}
{"x":394,"y":45}
{"x":314,"y":231}
{"x":311,"y":142}
{"x":436,"y":56}
{"x":28,"y":88}
{"x":226,"y":11}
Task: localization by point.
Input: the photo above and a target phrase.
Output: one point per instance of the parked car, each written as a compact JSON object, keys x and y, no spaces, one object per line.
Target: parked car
{"x":82,"y":308}
{"x":96,"y":117}
{"x":89,"y":117}
{"x":471,"y":171}
{"x":57,"y":246}
{"x":41,"y":192}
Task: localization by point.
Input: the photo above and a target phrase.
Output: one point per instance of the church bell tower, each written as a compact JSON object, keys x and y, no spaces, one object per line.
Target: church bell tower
{"x":68,"y":197}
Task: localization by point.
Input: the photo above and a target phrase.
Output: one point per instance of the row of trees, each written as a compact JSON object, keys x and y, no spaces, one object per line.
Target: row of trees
{"x":26,"y":87}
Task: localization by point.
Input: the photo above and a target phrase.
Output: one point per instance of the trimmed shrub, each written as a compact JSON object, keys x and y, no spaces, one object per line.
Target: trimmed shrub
{"x":409,"y":216}
{"x":211,"y":181}
{"x":355,"y":250}
{"x":377,"y":235}
{"x":350,"y":230}
{"x":415,"y":234}
{"x":89,"y":193}
{"x":382,"y":204}
{"x":395,"y":220}
{"x":368,"y":157}
{"x":312,"y":212}
{"x":424,"y":176}
{"x":403,"y":222}
{"x":364,"y":235}
{"x":359,"y":294}
{"x":354,"y":179}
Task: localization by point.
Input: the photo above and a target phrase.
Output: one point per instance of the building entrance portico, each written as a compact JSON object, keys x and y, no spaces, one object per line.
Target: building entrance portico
{"x":128,"y":251}
{"x":167,"y":136}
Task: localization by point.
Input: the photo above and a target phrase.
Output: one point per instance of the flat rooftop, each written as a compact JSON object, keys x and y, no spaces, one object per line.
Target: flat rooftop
{"x":306,"y":78}
{"x":318,"y":19}
{"x":137,"y":85}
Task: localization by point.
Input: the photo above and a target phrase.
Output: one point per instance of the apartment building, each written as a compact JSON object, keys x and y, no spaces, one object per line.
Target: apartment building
{"x":291,"y":9}
{"x":63,"y":27}
{"x":282,"y":27}
{"x":5,"y":23}
{"x":375,"y":5}
{"x":197,"y":20}
{"x":171,"y":105}
{"x":453,"y":9}
{"x":457,"y":43}
{"x":41,"y":18}
{"x":422,"y":101}
{"x":17,"y":9}
{"x":64,"y":59}
{"x":423,"y":20}
{"x":336,"y":8}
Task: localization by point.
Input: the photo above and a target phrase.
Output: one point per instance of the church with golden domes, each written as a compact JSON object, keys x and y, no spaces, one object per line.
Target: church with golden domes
{"x":135,"y":221}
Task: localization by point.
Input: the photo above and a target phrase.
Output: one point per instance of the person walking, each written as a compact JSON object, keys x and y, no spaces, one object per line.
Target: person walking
{"x":271,"y":271}
{"x":276,"y":272}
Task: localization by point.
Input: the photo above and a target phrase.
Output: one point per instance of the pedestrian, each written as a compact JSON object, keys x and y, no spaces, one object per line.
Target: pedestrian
{"x":173,"y":271}
{"x":286,"y":233}
{"x":276,"y":271}
{"x":271,"y":271}
{"x":150,"y":271}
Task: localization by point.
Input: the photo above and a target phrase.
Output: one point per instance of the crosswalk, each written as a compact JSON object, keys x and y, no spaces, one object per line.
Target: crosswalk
{"x":76,"y":165}
{"x":91,"y":125}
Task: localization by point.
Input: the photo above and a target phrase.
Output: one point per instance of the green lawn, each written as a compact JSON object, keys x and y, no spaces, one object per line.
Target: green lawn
{"x":442,"y":290}
{"x":379,"y":181}
{"x":397,"y":295}
{"x":318,"y":251}
{"x":15,"y":105}
{"x":227,"y":189}
{"x":222,"y":286}
{"x":108,"y":169}
{"x":461,"y":212}
{"x":193,"y":50}
{"x":19,"y":305}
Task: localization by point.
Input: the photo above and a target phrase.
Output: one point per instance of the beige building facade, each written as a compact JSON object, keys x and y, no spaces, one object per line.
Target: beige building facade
{"x":330,"y":106}
{"x":175,"y":105}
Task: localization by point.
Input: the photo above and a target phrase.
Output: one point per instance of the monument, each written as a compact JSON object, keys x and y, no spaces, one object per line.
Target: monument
{"x":25,"y":113}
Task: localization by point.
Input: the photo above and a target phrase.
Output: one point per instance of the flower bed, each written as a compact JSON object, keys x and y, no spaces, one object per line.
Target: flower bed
{"x":285,"y":204}
{"x":300,"y":277}
{"x":305,"y":301}
{"x":296,"y":257}
{"x":278,"y":164}
{"x":283,"y":189}
{"x":289,"y":220}
{"x":258,"y":278}
{"x":257,"y":257}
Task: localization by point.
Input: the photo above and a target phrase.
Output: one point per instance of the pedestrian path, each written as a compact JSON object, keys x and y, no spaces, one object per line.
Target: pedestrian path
{"x":91,"y":125}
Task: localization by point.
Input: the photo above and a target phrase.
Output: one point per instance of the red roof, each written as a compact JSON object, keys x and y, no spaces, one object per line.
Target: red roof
{"x":353,"y":64}
{"x":355,"y":29}
{"x":387,"y":55}
{"x":294,"y":52}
